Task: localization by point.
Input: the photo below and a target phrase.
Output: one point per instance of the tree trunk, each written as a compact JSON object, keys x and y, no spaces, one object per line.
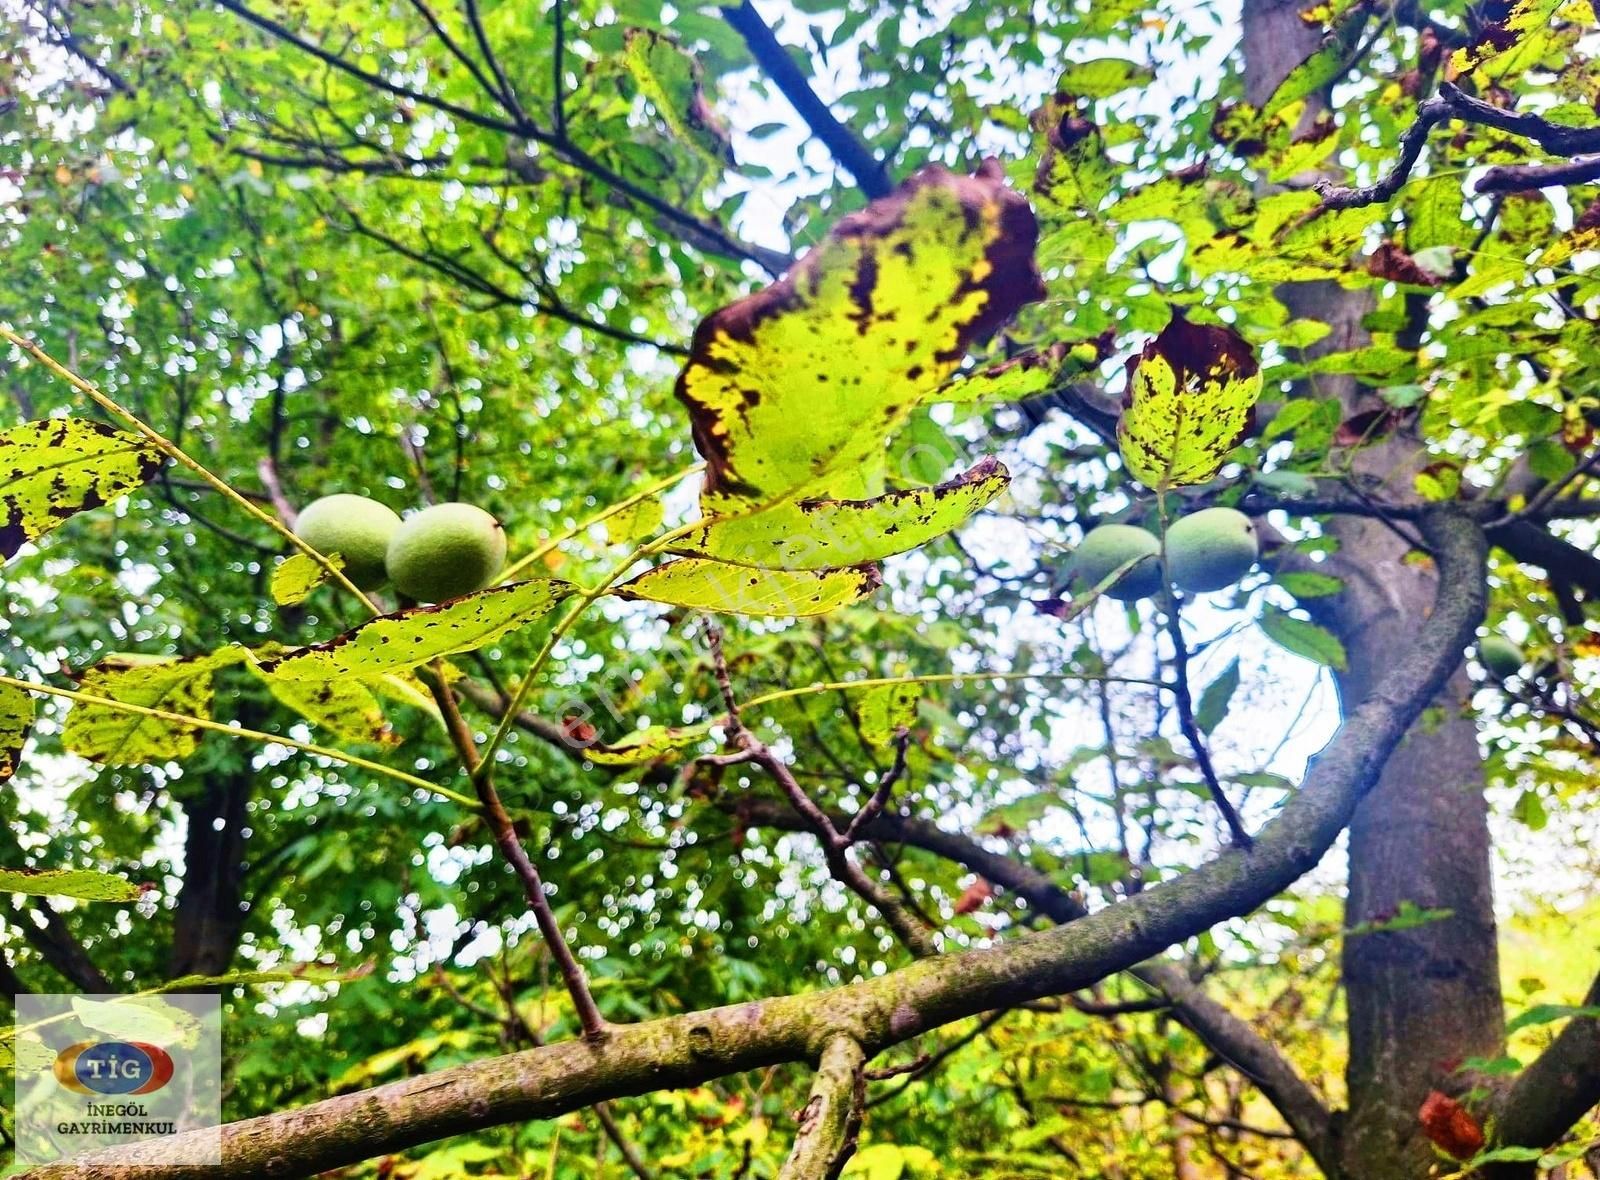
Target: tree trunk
{"x":1419,"y":1000}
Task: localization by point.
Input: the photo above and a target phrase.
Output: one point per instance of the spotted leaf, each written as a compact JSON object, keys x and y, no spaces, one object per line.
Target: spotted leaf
{"x":346,"y":708}
{"x":831,"y":534}
{"x":794,"y":390}
{"x":1191,"y":398}
{"x":296,"y":576}
{"x":57,"y":467}
{"x":646,"y":745}
{"x":887,"y":708}
{"x":410,"y":638}
{"x":16,"y":719}
{"x":119,"y":737}
{"x":671,"y":79}
{"x":703,"y":584}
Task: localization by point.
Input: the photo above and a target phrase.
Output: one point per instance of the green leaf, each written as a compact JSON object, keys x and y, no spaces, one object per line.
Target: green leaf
{"x":52,"y":469}
{"x":296,"y":576}
{"x":1190,"y":400}
{"x":16,"y":719}
{"x":82,"y":884}
{"x":703,"y":584}
{"x":114,"y":737}
{"x":887,"y":708}
{"x":794,"y":390}
{"x":410,"y":638}
{"x":346,"y":707}
{"x":646,"y":745}
{"x":671,"y":79}
{"x":1102,"y":77}
{"x":635,"y":521}
{"x":1529,"y":811}
{"x":1549,"y":1014}
{"x":1213,"y":706}
{"x":832,"y":534}
{"x":1024,"y":375}
{"x":1303,"y":638}
{"x":1308,"y":584}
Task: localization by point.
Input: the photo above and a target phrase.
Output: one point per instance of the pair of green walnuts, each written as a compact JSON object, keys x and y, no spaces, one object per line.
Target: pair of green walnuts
{"x":441,"y":552}
{"x":1206,"y":550}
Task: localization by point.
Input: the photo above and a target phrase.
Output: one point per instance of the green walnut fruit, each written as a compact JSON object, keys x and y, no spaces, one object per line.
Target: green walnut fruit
{"x":354,"y":527}
{"x":446,"y":551}
{"x":1211,"y":549}
{"x":1106,"y":548}
{"x":1501,"y":656}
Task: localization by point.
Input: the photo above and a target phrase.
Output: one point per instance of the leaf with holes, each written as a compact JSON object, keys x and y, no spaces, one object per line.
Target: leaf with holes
{"x":82,"y":884}
{"x":346,"y":708}
{"x":793,"y":391}
{"x":55,"y":468}
{"x":832,"y":534}
{"x":410,"y":638}
{"x":703,"y":584}
{"x":296,"y":576}
{"x":16,"y":719}
{"x":1190,"y":400}
{"x":117,"y":737}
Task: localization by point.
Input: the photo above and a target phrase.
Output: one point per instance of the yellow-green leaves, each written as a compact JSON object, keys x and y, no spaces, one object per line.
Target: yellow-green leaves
{"x":887,"y":708}
{"x":297,"y":575}
{"x":83,"y":884}
{"x":830,"y":534}
{"x":16,"y":718}
{"x":117,"y":737}
{"x":702,"y":584}
{"x":409,"y":638}
{"x":1191,"y":398}
{"x":346,"y":708}
{"x":671,"y":79}
{"x":646,"y":745}
{"x":794,"y":390}
{"x":52,"y":469}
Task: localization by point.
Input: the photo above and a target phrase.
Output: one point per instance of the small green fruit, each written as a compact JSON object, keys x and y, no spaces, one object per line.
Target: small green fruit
{"x":1211,"y":549}
{"x":1502,"y":657}
{"x":354,"y":527}
{"x":1109,"y":546}
{"x":446,"y":551}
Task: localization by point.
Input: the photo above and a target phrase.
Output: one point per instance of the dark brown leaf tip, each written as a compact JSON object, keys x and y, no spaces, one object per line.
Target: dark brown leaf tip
{"x":1197,"y":353}
{"x":1008,"y":280}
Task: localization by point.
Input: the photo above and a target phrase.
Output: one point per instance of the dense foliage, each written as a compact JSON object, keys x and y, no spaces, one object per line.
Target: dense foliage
{"x":772,"y":395}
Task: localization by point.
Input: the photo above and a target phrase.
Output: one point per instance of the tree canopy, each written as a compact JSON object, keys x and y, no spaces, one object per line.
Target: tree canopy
{"x":804,"y":797}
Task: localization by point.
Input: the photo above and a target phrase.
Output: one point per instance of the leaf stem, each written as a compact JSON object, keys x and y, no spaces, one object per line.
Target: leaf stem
{"x":238,"y":731}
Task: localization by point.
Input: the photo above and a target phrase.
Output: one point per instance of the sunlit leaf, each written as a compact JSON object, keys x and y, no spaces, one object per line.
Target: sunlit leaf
{"x":1190,"y":400}
{"x":116,"y":737}
{"x":635,"y":521}
{"x":830,"y":534}
{"x":704,"y":584}
{"x":795,"y":389}
{"x":670,"y":78}
{"x":16,"y":719}
{"x":887,"y":708}
{"x":296,"y":576}
{"x":646,"y":745}
{"x":410,"y":638}
{"x":52,"y":469}
{"x":82,"y":884}
{"x":345,"y":707}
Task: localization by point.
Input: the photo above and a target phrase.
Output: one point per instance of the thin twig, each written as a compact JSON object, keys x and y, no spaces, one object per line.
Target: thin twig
{"x":505,"y":836}
{"x":1191,"y":731}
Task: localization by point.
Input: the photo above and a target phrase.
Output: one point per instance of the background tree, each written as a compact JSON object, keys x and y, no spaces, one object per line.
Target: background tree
{"x":446,"y":251}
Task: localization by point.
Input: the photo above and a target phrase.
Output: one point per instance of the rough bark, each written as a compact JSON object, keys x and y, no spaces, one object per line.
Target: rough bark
{"x":1421,"y":1000}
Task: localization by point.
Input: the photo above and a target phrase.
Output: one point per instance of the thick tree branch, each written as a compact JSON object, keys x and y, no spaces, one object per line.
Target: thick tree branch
{"x":826,"y":1136}
{"x":886,"y":1010}
{"x":870,"y":174}
{"x":1557,"y":1090}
